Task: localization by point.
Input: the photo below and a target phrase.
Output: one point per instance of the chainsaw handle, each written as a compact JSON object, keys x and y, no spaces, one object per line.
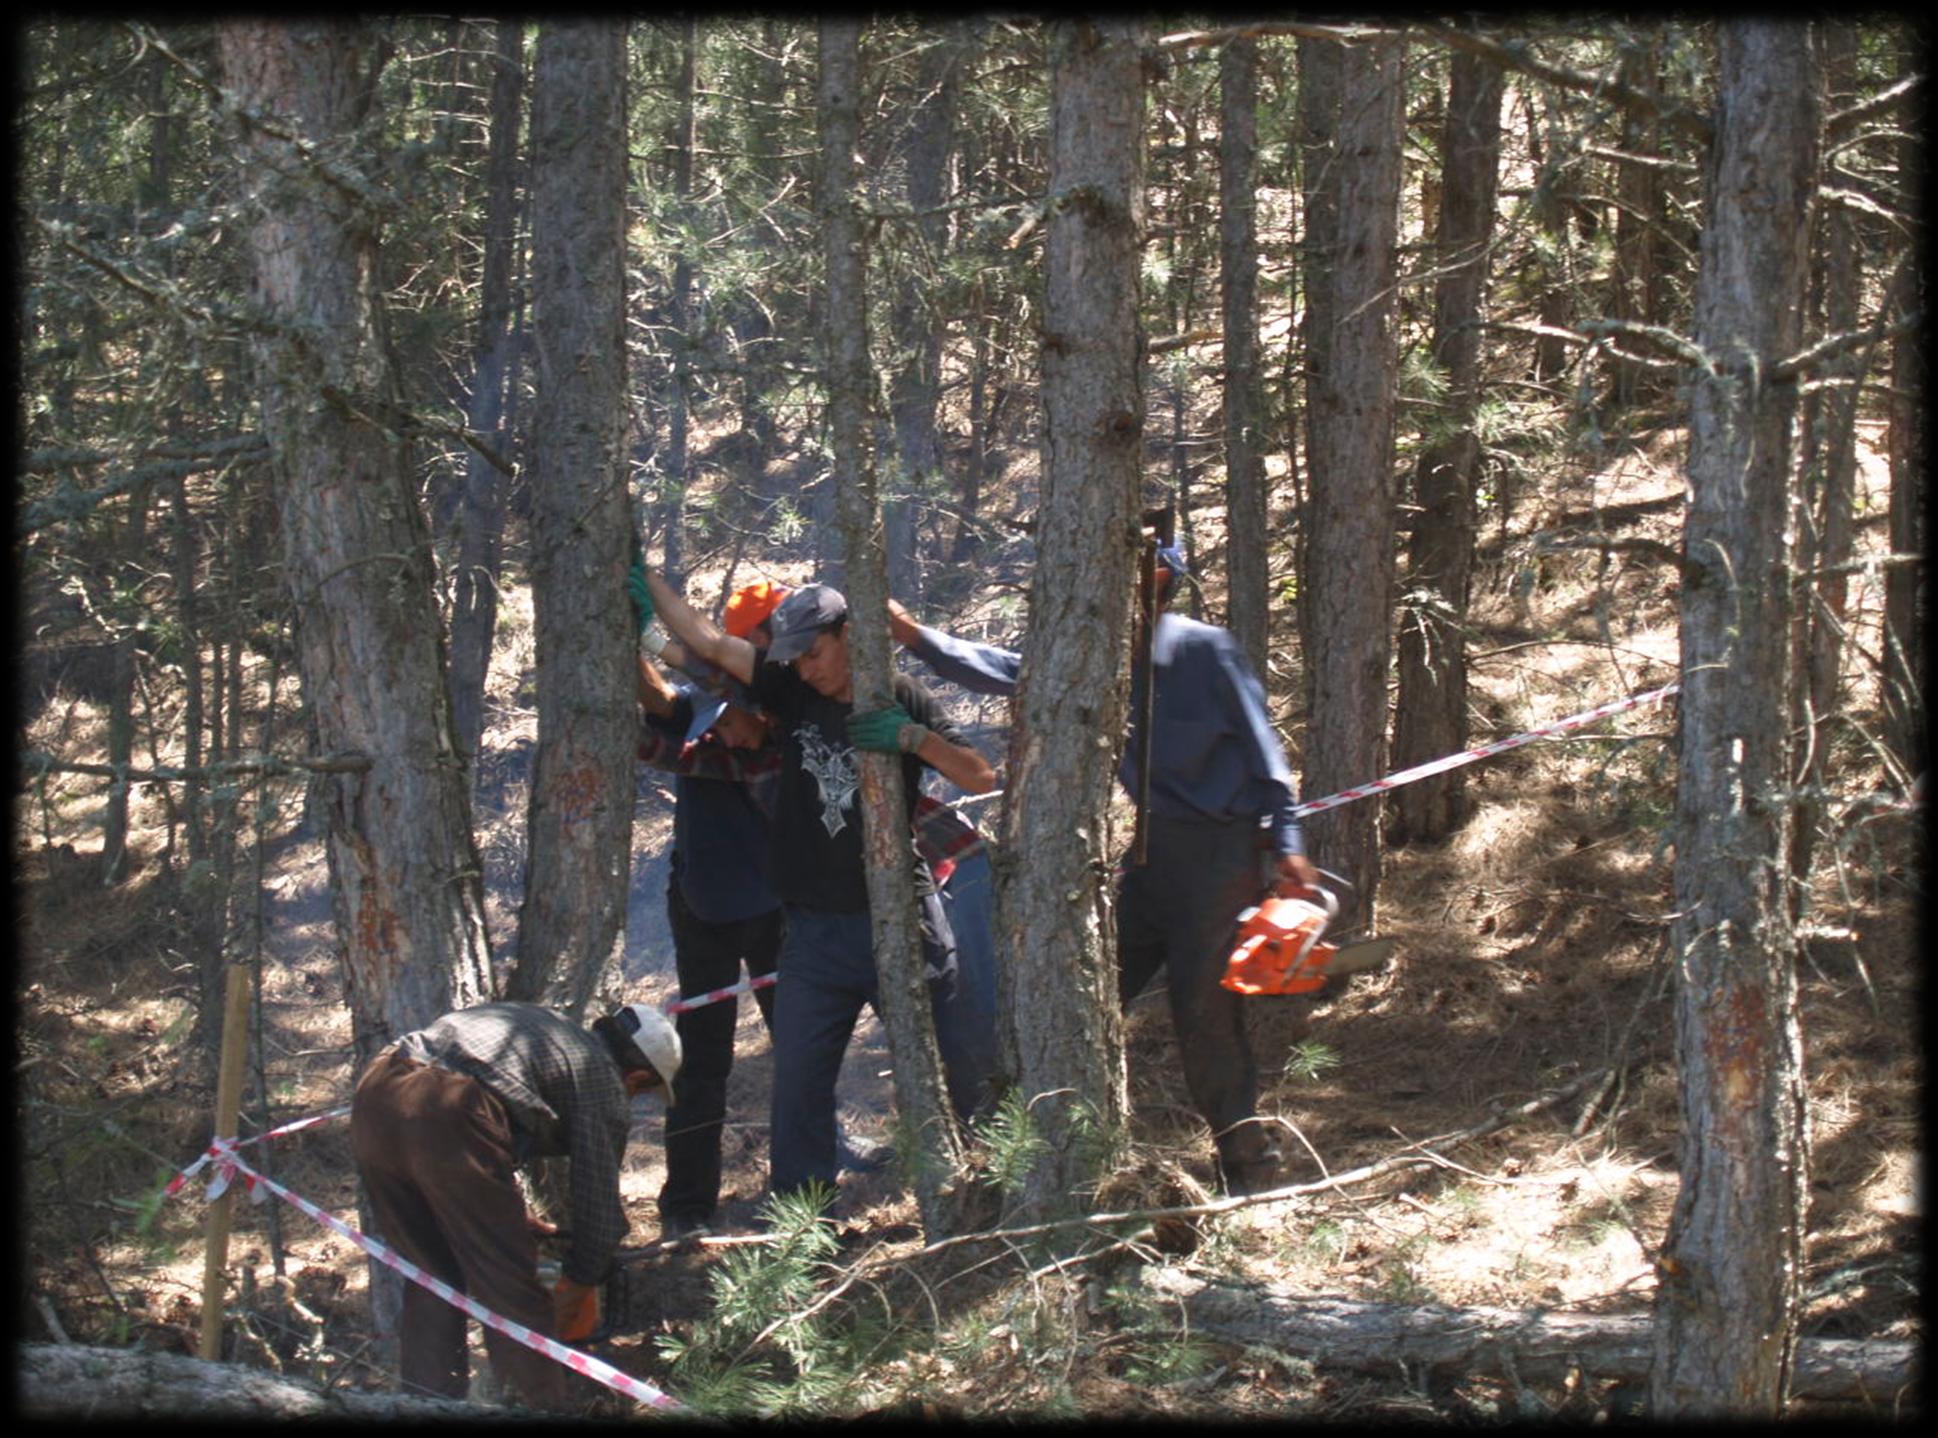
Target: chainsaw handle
{"x":1316,"y":893}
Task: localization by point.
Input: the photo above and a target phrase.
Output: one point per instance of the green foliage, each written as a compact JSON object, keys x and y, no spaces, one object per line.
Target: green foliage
{"x":1310,"y":1060}
{"x":1011,"y":1144}
{"x":726,"y":1365}
{"x":1159,"y":1351}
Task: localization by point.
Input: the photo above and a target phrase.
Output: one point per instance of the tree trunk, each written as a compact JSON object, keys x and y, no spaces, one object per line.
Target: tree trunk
{"x":1638,"y":220}
{"x":481,"y":505}
{"x":1731,"y":1265}
{"x":1318,"y":100}
{"x":1348,"y":578}
{"x":920,"y":1095}
{"x":1431,"y":719}
{"x":580,"y":823}
{"x":1904,"y":588}
{"x":406,"y":885}
{"x":1247,"y":516}
{"x":121,"y":698}
{"x":1826,"y":531}
{"x":1057,"y":969}
{"x":915,"y":322}
{"x":80,"y":1384}
{"x":679,"y":322}
{"x":408,"y":902}
{"x":1518,"y":1343}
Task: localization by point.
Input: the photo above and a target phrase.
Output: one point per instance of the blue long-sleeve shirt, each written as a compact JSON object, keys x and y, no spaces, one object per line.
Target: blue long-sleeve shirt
{"x":1216,"y":755}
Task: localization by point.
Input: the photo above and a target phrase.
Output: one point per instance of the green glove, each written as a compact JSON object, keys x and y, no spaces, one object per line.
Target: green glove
{"x":640,"y":594}
{"x":882,"y":731}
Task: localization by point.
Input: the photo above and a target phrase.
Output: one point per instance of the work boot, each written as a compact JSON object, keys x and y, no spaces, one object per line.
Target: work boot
{"x":684,"y":1230}
{"x":1258,"y":1172}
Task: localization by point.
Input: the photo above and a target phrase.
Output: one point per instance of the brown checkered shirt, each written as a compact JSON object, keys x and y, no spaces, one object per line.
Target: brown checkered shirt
{"x":565,"y":1098}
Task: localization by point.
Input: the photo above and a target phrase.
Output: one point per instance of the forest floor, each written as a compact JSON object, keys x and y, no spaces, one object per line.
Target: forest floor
{"x":1532,"y":956}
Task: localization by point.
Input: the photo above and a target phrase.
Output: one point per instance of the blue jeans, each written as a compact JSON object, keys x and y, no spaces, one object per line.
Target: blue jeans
{"x":970,"y":898}
{"x":827,"y":974}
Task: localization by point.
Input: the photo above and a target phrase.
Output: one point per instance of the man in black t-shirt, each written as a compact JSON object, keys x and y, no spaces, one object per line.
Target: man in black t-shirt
{"x":805,"y":682}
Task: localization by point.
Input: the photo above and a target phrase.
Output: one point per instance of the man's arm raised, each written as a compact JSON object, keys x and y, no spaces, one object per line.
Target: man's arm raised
{"x":698,"y":633}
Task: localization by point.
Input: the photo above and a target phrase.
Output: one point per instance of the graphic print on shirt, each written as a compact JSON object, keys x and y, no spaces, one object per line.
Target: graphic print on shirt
{"x":834,"y":772}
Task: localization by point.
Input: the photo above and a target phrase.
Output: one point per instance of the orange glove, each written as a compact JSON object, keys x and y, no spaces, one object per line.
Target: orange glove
{"x":575,"y":1311}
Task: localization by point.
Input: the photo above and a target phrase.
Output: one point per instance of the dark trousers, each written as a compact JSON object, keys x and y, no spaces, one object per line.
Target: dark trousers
{"x":1179,"y":911}
{"x":708,"y":957}
{"x":827,"y":977}
{"x":434,"y":1149}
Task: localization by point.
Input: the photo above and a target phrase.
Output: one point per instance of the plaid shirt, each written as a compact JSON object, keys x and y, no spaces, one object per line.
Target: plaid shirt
{"x":943,"y":837}
{"x":565,"y":1098}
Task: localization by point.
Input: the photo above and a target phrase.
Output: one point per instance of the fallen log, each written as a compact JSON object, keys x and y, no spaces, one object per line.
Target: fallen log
{"x":76,"y":1381}
{"x":1514,"y":1343}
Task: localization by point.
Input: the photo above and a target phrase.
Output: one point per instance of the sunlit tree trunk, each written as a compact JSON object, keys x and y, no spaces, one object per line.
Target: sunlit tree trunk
{"x":1348,"y":578}
{"x":1246,"y":519}
{"x":1731,"y":1266}
{"x":580,"y":822}
{"x":1056,"y":974}
{"x":1432,"y":716}
{"x":356,"y":549}
{"x":481,"y":502}
{"x":920,"y":1095}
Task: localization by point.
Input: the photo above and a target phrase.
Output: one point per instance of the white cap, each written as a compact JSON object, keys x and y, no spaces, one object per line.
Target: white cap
{"x":653,"y":1034}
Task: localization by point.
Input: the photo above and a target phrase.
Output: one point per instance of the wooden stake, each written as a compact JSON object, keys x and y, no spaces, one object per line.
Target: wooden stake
{"x":228,"y":1110}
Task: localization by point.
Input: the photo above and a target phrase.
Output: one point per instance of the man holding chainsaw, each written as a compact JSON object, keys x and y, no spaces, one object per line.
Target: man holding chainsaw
{"x":1216,"y":832}
{"x":441,"y":1119}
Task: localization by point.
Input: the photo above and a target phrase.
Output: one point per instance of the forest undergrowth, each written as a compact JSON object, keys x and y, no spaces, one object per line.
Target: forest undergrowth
{"x":1533,"y":965}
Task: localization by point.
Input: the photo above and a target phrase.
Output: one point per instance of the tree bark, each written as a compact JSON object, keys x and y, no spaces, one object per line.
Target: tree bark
{"x":580,"y":821}
{"x":1348,"y":578}
{"x":679,"y":323}
{"x":406,"y":886}
{"x":1905,"y":665}
{"x":1247,"y":517}
{"x":481,"y":503}
{"x":121,"y":701}
{"x":1638,"y":220}
{"x":915,"y":322}
{"x":1826,"y":532}
{"x":1726,"y":1311}
{"x":901,"y":973}
{"x":1431,"y":719}
{"x":406,"y":891}
{"x":78,"y":1383}
{"x":1536,"y":1344}
{"x":1057,"y":964}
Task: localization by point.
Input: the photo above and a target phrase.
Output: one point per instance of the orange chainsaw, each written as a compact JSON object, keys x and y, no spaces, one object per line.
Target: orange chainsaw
{"x":1280,"y":947}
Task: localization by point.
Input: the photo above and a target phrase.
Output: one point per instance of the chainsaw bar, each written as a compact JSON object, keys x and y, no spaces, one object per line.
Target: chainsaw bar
{"x":1357,"y":957}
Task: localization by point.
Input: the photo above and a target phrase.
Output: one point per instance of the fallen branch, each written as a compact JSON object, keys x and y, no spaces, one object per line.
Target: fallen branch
{"x":1383,"y":1337}
{"x":34,"y":761}
{"x":74,"y":1381}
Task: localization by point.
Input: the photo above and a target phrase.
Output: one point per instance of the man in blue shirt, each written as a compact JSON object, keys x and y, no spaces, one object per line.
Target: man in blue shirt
{"x":1219,"y":832}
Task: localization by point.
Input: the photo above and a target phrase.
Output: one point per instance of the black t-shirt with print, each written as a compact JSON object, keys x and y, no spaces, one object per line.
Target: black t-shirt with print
{"x":817,"y":854}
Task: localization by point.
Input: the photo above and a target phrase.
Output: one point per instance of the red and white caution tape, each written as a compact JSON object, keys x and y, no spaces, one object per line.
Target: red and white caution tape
{"x":745,"y":986}
{"x":226,"y":1145}
{"x":1484,"y":751}
{"x":582,"y":1363}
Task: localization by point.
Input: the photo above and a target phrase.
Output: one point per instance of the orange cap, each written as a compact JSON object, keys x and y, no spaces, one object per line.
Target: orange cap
{"x":750,"y":605}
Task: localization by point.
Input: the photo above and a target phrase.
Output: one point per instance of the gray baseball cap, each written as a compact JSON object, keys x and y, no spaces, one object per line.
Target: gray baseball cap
{"x":799,"y":617}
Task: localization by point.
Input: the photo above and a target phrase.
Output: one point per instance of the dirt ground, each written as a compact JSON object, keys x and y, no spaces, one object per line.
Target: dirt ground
{"x":1533,"y":955}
